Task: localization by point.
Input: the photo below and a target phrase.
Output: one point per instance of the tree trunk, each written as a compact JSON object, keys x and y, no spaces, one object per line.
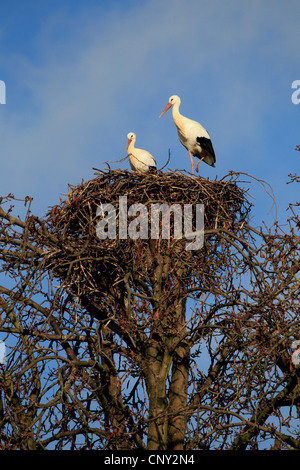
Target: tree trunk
{"x":156,"y":376}
{"x":168,"y":348}
{"x":178,"y":397}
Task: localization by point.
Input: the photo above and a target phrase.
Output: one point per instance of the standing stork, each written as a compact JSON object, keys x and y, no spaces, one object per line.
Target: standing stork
{"x":140,"y":160}
{"x":192,"y":135}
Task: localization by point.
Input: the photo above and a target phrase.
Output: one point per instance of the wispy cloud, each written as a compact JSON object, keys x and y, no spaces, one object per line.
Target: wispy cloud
{"x":96,"y":75}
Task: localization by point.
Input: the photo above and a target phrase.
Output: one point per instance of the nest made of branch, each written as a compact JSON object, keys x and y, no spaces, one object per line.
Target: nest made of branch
{"x":224,"y":201}
{"x":94,"y":264}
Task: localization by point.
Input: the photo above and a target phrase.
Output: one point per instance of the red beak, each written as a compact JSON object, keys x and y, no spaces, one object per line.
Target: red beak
{"x":129,"y":140}
{"x":166,"y":109}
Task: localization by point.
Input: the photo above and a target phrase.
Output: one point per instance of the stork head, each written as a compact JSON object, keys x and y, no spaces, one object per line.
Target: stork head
{"x":174,"y":99}
{"x":131,"y":138}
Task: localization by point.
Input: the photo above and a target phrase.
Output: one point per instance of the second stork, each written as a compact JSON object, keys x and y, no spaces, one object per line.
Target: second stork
{"x":192,"y":135}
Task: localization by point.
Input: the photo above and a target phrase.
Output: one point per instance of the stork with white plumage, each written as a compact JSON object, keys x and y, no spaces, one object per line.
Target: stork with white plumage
{"x":192,"y":135}
{"x":140,"y":160}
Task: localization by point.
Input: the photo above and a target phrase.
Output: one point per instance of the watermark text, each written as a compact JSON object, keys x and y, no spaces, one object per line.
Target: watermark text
{"x":2,"y":92}
{"x":296,"y":94}
{"x":188,"y":222}
{"x":2,"y":352}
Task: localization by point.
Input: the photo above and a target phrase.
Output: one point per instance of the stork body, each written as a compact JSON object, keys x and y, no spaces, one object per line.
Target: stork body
{"x":140,"y":160}
{"x":192,"y":135}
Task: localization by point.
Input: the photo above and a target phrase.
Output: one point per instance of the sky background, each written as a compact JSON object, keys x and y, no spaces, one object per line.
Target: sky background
{"x":80,"y":75}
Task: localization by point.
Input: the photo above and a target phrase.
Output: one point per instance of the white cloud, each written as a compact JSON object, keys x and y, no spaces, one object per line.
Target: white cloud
{"x":98,"y":75}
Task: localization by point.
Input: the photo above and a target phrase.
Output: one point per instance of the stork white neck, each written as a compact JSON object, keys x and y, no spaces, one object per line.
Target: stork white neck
{"x":177,"y":117}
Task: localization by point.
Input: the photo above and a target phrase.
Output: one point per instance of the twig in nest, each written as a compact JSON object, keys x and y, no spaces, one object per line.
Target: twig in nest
{"x":169,"y":158}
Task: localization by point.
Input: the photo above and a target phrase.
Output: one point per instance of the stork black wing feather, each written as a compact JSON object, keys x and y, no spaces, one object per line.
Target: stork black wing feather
{"x":206,"y":145}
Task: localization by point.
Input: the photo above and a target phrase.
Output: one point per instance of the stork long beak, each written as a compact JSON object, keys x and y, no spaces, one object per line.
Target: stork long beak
{"x":166,"y":109}
{"x":129,"y":140}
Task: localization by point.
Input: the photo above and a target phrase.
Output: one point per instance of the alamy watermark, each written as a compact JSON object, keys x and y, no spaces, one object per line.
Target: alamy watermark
{"x":296,"y":94}
{"x":296,"y":352}
{"x":2,"y":352}
{"x":2,"y":92}
{"x":157,"y":217}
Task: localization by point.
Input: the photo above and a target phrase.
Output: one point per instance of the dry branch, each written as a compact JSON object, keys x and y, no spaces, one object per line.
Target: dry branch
{"x":90,"y":266}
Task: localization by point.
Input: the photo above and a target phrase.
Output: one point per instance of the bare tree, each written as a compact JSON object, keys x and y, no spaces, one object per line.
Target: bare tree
{"x":141,"y":343}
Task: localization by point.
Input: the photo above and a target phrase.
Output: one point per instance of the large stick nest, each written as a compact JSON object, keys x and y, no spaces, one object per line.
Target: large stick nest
{"x":91,"y":265}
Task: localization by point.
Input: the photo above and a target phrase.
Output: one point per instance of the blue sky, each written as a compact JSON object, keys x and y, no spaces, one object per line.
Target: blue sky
{"x":80,"y":75}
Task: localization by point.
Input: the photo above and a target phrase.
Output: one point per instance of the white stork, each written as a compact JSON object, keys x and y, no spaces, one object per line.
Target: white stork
{"x":140,"y":160}
{"x":192,"y":135}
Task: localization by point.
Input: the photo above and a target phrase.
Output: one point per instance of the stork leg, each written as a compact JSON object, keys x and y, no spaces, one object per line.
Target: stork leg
{"x":196,"y":167}
{"x":192,"y":162}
